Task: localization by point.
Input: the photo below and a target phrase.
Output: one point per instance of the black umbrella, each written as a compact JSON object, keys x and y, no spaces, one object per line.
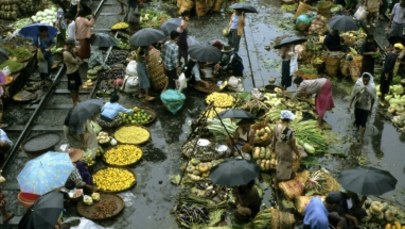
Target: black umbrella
{"x":236,"y":113}
{"x":204,"y":53}
{"x":45,"y":212}
{"x":146,"y":37}
{"x":83,"y":111}
{"x":343,"y":23}
{"x":3,"y":55}
{"x":365,"y":180}
{"x":170,"y":25}
{"x":104,"y":40}
{"x":290,"y":41}
{"x":245,"y":7}
{"x":234,"y":172}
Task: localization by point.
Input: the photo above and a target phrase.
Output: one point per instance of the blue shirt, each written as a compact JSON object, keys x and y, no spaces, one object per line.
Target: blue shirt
{"x":316,"y":214}
{"x":111,"y":110}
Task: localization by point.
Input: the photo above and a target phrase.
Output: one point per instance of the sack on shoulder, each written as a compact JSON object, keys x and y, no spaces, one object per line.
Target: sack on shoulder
{"x":40,"y":55}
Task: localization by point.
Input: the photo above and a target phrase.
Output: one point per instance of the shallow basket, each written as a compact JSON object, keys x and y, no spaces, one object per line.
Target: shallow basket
{"x":126,"y":189}
{"x":91,"y":211}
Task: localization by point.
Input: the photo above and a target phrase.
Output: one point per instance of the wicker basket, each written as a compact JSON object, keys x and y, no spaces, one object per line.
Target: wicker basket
{"x":218,"y":5}
{"x":292,"y":188}
{"x":258,"y":126}
{"x":186,"y":5}
{"x":281,"y":220}
{"x":201,"y":7}
{"x":324,"y":8}
{"x":156,"y":73}
{"x":302,"y":8}
{"x":332,"y":63}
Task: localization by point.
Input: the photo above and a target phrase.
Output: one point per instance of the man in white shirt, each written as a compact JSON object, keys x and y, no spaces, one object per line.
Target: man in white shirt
{"x":71,"y":29}
{"x":398,"y":19}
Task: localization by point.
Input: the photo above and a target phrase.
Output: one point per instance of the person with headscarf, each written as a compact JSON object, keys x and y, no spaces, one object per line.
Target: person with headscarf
{"x":363,"y":96}
{"x":388,"y":69}
{"x":235,"y":27}
{"x":288,"y":66}
{"x":322,"y":88}
{"x":316,"y":214}
{"x":284,"y":145}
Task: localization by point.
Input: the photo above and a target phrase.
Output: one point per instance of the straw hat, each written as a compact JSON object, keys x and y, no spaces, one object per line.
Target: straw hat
{"x":227,"y":48}
{"x":398,"y":46}
{"x":75,"y":154}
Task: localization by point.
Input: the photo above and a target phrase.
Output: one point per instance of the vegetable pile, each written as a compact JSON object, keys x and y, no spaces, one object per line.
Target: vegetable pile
{"x":114,"y":179}
{"x":140,"y":116}
{"x":47,"y":16}
{"x":220,"y":99}
{"x":123,"y":155}
{"x":153,"y":18}
{"x":132,"y":135}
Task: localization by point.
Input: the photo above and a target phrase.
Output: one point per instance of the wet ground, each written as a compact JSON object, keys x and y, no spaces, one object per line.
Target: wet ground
{"x":148,"y":205}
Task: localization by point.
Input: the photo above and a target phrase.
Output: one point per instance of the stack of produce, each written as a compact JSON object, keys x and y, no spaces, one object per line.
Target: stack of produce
{"x":132,"y":135}
{"x":351,"y":37}
{"x":310,"y":137}
{"x":307,"y":72}
{"x":12,"y":9}
{"x":262,"y":134}
{"x":205,"y":154}
{"x":201,"y":7}
{"x":123,"y":155}
{"x":152,"y":18}
{"x":320,"y":182}
{"x":112,"y":179}
{"x":219,"y":99}
{"x":265,"y":158}
{"x":88,"y":84}
{"x":221,"y":131}
{"x":103,"y":138}
{"x":382,"y":212}
{"x":47,"y":16}
{"x":120,"y":25}
{"x":318,"y":25}
{"x":139,"y":116}
{"x":198,"y":170}
{"x":395,"y":99}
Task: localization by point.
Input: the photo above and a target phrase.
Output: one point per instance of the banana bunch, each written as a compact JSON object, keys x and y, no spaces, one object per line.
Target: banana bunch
{"x":114,"y":179}
{"x":120,"y":25}
{"x":103,"y":137}
{"x":265,"y":158}
{"x":132,"y":135}
{"x":220,"y":99}
{"x":262,"y":134}
{"x":88,"y":84}
{"x":122,"y":155}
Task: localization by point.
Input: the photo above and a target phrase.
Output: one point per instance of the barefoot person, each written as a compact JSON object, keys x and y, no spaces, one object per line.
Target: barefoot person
{"x":72,"y":62}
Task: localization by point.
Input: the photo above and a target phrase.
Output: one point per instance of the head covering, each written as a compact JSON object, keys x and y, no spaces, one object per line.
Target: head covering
{"x":286,"y":114}
{"x":227,"y":48}
{"x":334,"y":198}
{"x":370,"y":87}
{"x":75,"y":154}
{"x":398,"y":46}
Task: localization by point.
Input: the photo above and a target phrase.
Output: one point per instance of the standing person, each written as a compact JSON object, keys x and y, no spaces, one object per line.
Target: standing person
{"x":60,"y":23}
{"x":235,"y":27}
{"x":144,"y":84}
{"x":83,"y":33}
{"x":368,"y":50}
{"x":333,"y":42}
{"x":288,"y":66}
{"x":182,"y":41}
{"x":322,"y":88}
{"x":44,"y":43}
{"x":373,"y":7}
{"x":71,"y":28}
{"x":284,"y":145}
{"x":363,"y":96}
{"x":72,"y":63}
{"x":170,"y":58}
{"x":133,"y":16}
{"x":316,"y":214}
{"x":397,"y":20}
{"x":123,"y":4}
{"x":388,"y":70}
{"x":247,"y":200}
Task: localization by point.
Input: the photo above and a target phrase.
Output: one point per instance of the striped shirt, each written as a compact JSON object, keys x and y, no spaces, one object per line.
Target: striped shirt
{"x":170,"y":55}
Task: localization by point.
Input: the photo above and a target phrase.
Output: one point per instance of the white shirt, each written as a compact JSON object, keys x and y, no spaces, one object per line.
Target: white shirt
{"x":71,"y":30}
{"x":398,"y":13}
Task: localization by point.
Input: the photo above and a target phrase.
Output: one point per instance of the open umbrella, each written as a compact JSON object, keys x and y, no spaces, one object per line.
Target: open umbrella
{"x":243,"y":6}
{"x":204,"y":53}
{"x":236,"y":113}
{"x":293,"y":40}
{"x":83,"y":111}
{"x":171,"y":24}
{"x":234,"y":172}
{"x":3,"y":55}
{"x":33,"y":30}
{"x":342,"y":23}
{"x":367,"y":180}
{"x":104,"y":40}
{"x":145,"y":37}
{"x":45,"y":173}
{"x":45,"y":212}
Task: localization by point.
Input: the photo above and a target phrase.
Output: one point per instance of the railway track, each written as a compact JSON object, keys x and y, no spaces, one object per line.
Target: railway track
{"x":49,"y":112}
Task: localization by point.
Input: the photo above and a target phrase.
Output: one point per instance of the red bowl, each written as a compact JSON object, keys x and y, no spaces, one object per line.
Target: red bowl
{"x":28,"y":196}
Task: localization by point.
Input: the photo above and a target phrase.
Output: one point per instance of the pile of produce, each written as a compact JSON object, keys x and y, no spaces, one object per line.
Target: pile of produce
{"x":206,"y":153}
{"x":320,"y":182}
{"x":382,"y":212}
{"x":219,"y":99}
{"x":123,"y":44}
{"x":47,"y":16}
{"x":153,"y":18}
{"x":310,"y":137}
{"x":12,"y":9}
{"x":262,"y":134}
{"x":88,"y":84}
{"x":265,"y":158}
{"x":351,"y":37}
{"x":103,"y":138}
{"x":123,"y":155}
{"x":221,"y":130}
{"x":14,"y":66}
{"x":211,"y":113}
{"x":132,"y":135}
{"x":395,"y":98}
{"x":120,"y":25}
{"x":198,"y":170}
{"x":140,"y":116}
{"x":104,"y":89}
{"x":20,"y":53}
{"x":104,"y":209}
{"x":111,"y":179}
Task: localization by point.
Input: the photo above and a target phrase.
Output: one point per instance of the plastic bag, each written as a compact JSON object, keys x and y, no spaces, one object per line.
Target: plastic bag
{"x":40,"y":55}
{"x":130,"y":84}
{"x":6,"y":71}
{"x":43,"y":66}
{"x":173,"y":100}
{"x":181,"y":83}
{"x":131,"y":69}
{"x":361,"y":13}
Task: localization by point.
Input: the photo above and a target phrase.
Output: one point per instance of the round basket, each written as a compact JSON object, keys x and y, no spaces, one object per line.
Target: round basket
{"x":211,"y":88}
{"x":302,"y":8}
{"x":151,"y":112}
{"x":41,"y":143}
{"x":130,"y":163}
{"x":95,"y":211}
{"x":9,"y":80}
{"x":131,"y":135}
{"x":116,"y":191}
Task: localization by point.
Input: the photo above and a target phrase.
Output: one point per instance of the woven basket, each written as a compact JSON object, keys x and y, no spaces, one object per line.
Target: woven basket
{"x":292,"y":188}
{"x":156,"y":73}
{"x":302,"y":8}
{"x":332,"y":64}
{"x":186,"y":5}
{"x":324,"y":8}
{"x":201,"y":8}
{"x":345,"y":68}
{"x":281,"y":220}
{"x":218,"y":5}
{"x":301,"y":203}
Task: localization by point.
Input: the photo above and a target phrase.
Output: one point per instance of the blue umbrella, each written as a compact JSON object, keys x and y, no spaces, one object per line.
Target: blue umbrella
{"x":45,"y":173}
{"x":33,"y":30}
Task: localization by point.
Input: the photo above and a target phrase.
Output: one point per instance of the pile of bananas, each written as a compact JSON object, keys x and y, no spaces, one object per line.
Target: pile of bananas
{"x":120,"y":25}
{"x":220,"y":99}
{"x":88,"y":84}
{"x":114,"y":179}
{"x":132,"y":135}
{"x":123,"y":155}
{"x":140,"y":116}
